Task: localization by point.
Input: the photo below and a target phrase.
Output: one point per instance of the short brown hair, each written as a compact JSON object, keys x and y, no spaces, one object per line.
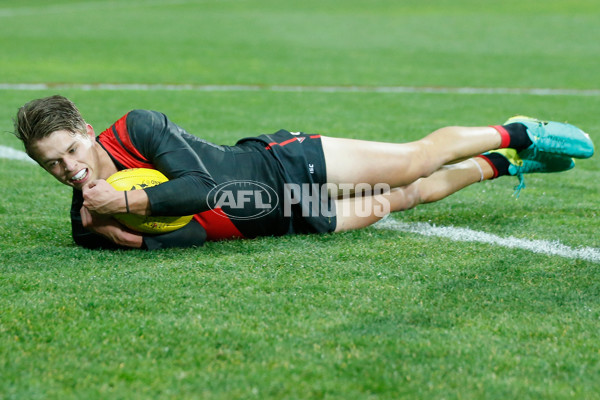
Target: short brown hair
{"x":38,"y":118}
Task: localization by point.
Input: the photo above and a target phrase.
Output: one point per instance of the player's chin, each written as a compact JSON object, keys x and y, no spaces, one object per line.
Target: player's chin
{"x":73,"y":185}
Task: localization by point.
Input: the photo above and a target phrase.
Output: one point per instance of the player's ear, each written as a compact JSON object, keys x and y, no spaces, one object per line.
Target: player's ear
{"x":90,"y":131}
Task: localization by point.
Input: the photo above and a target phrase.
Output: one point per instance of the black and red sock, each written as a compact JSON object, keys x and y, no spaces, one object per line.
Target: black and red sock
{"x":514,"y":136}
{"x":498,"y":162}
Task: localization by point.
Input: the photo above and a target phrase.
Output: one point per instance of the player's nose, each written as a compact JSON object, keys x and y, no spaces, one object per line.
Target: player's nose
{"x":70,"y":164}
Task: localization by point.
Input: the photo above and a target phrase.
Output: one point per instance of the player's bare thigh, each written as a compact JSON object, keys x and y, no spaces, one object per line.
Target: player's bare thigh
{"x":351,"y":161}
{"x":400,"y":164}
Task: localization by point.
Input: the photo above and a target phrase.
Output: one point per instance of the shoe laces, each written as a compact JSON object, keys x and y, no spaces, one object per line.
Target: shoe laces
{"x":520,"y":186}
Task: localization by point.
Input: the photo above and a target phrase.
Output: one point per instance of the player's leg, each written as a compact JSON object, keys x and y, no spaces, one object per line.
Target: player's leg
{"x":356,"y":161}
{"x":361,"y":211}
{"x":399,"y":164}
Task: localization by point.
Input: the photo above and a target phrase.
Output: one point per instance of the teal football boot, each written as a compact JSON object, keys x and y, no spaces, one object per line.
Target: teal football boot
{"x":554,"y":138}
{"x":538,"y":163}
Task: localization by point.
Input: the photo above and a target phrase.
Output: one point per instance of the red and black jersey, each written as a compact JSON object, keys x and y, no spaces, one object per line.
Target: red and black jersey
{"x":199,"y":172}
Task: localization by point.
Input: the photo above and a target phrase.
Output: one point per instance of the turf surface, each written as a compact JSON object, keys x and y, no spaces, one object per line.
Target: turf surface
{"x":368,"y":314}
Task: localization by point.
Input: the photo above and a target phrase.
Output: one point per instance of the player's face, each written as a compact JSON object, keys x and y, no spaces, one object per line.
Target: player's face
{"x":71,"y":158}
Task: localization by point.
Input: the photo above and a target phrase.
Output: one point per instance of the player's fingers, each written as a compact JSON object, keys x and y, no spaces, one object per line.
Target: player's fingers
{"x":86,"y":217}
{"x":93,"y":184}
{"x":85,"y":190}
{"x":88,"y":193}
{"x":86,"y":198}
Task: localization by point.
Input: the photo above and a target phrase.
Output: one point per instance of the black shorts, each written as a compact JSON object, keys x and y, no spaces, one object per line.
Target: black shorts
{"x":302,"y":166}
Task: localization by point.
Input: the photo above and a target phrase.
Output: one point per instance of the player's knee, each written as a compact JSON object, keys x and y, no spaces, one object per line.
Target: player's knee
{"x":405,"y":198}
{"x":423,"y":162}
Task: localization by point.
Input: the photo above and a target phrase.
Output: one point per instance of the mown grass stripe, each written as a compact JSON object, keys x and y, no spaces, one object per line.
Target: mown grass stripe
{"x":45,"y":9}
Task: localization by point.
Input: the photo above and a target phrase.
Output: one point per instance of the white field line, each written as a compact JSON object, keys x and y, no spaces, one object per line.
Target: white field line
{"x":12,"y":154}
{"x":550,"y":248}
{"x":297,"y":88}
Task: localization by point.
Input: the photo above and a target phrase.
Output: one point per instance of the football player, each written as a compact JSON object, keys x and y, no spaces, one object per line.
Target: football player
{"x":316,"y":183}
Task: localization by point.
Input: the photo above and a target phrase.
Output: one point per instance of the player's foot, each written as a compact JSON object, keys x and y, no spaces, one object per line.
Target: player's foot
{"x":541,"y":162}
{"x":519,"y":164}
{"x":554,"y":138}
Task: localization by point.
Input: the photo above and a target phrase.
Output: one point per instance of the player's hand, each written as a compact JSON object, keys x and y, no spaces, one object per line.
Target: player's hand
{"x":101,"y":198}
{"x":110,"y":228}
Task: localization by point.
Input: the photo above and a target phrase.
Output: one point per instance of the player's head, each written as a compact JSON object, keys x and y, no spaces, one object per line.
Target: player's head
{"x":56,"y":136}
{"x":39,"y":118}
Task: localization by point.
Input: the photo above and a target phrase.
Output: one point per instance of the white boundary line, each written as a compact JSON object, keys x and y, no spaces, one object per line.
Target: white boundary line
{"x":551,"y":248}
{"x":296,"y":88}
{"x":12,"y":154}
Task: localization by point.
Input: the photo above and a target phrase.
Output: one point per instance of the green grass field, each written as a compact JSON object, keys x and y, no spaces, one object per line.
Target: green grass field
{"x":371,"y":314}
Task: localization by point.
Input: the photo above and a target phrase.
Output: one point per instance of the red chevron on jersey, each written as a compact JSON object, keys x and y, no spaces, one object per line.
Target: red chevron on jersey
{"x":117,"y":142}
{"x":217,"y":225}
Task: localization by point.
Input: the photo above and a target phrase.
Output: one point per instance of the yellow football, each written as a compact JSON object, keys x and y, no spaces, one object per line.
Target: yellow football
{"x":140,"y":178}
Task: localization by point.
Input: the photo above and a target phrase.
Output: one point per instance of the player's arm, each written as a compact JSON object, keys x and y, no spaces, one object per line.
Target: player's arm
{"x":191,"y":235}
{"x":110,"y":228}
{"x":98,"y":231}
{"x":88,"y":237}
{"x":162,"y":143}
